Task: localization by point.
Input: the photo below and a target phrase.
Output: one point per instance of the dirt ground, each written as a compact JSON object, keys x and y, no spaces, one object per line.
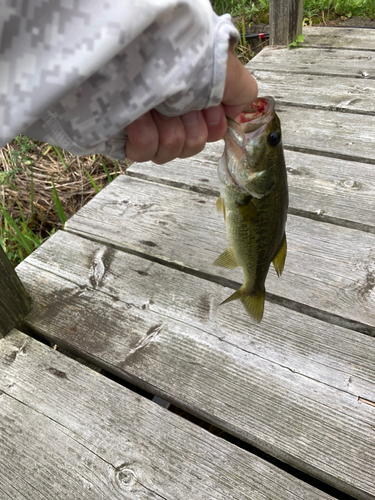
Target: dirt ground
{"x":355,"y":22}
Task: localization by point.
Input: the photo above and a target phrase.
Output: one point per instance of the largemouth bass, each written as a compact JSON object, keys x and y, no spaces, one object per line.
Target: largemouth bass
{"x":254,"y":201}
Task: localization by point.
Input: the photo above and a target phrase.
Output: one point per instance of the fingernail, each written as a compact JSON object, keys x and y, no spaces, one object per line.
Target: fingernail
{"x":213,"y":115}
{"x":190,"y":118}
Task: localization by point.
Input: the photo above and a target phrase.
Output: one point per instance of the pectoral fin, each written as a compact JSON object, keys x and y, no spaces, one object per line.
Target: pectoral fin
{"x":262,"y":183}
{"x":220,"y":207}
{"x":248,"y":211}
{"x":227,"y":260}
{"x":279,"y":260}
{"x":254,"y":304}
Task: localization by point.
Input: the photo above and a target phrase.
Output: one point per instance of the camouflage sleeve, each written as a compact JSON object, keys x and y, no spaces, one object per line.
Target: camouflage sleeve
{"x":76,"y":73}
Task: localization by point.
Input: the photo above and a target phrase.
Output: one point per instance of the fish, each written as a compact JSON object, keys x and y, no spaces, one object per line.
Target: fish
{"x":254,"y":201}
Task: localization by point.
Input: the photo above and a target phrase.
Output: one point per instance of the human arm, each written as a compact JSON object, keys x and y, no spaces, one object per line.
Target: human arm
{"x":161,"y":139}
{"x":76,"y":75}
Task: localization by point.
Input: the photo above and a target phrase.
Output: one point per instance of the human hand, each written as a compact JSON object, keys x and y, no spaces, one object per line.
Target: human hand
{"x":161,"y":138}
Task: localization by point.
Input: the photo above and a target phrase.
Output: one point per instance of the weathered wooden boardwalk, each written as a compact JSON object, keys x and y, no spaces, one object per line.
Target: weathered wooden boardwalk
{"x":130,"y":287}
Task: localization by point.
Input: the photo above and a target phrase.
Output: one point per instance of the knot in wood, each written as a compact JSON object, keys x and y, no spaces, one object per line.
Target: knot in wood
{"x":351,"y":184}
{"x":126,"y":477}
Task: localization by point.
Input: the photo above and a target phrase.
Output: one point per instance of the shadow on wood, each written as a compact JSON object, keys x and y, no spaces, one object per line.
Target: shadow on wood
{"x":14,"y":301}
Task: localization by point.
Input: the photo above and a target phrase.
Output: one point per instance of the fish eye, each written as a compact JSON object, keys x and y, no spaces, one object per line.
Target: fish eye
{"x":274,"y":138}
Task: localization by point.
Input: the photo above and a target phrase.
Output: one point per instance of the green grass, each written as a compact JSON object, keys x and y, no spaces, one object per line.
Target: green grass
{"x":255,"y":10}
{"x":20,"y":235}
{"x":17,"y":237}
{"x":58,"y":205}
{"x":347,"y":8}
{"x":240,"y":7}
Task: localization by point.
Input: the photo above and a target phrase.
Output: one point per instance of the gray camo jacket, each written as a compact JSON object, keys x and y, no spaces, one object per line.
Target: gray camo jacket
{"x":75,"y":73}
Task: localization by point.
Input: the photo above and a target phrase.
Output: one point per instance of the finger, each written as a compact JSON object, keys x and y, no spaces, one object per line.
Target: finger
{"x":142,"y":139}
{"x":240,"y":87}
{"x":196,"y":133}
{"x":234,"y":111}
{"x":171,"y":137}
{"x":216,"y":123}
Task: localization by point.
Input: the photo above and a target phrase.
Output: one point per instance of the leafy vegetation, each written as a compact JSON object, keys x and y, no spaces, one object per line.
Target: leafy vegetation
{"x":300,"y":39}
{"x":333,"y":8}
{"x":250,"y":9}
{"x":316,"y":10}
{"x":246,"y":13}
{"x":41,"y":186}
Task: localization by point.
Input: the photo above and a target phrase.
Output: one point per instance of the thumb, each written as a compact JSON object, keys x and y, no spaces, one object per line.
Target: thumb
{"x":240,"y":87}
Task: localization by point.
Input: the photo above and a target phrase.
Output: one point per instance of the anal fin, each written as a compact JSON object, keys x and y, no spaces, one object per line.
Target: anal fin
{"x":279,"y":260}
{"x":227,"y":260}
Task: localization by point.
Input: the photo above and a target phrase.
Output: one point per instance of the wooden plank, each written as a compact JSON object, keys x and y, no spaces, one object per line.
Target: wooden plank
{"x":323,"y":188}
{"x":324,"y":133}
{"x":340,"y":37}
{"x":316,"y":91}
{"x":329,"y":268}
{"x":347,"y":136}
{"x":97,"y":439}
{"x":14,"y":301}
{"x":315,"y":61}
{"x":285,"y":21}
{"x":290,"y":386}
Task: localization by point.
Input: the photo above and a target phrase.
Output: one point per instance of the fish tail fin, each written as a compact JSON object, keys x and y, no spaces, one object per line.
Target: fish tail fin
{"x":254,"y":304}
{"x":279,"y":259}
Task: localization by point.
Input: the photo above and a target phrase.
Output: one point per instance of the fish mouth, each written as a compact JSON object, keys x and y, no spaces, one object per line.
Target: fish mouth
{"x":245,"y":129}
{"x":253,"y":117}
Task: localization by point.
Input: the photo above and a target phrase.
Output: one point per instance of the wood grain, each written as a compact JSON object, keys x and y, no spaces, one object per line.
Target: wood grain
{"x":285,"y":21}
{"x":316,"y":61}
{"x":289,"y":386}
{"x":347,"y":136}
{"x":339,"y":37}
{"x":14,"y":301}
{"x":70,"y":433}
{"x":323,"y":188}
{"x":325,"y":133}
{"x":317,"y":91}
{"x":329,"y":268}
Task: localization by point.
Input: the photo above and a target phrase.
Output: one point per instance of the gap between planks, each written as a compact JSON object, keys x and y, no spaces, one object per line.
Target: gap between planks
{"x":146,"y":360}
{"x":312,"y":61}
{"x":223,"y":435}
{"x":312,"y":73}
{"x":332,"y":108}
{"x":320,"y":217}
{"x":329,"y":154}
{"x":316,"y":46}
{"x":82,"y":225}
{"x":322,"y":189}
{"x":343,"y":37}
{"x":313,"y":312}
{"x":104,"y":440}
